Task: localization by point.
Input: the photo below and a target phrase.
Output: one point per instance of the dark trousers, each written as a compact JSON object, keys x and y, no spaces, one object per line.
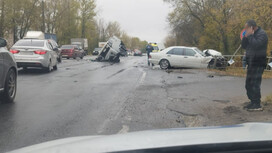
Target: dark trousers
{"x":253,"y":84}
{"x":148,"y":53}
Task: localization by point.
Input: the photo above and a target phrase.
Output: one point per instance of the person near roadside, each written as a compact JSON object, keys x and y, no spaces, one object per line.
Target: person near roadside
{"x":148,"y":49}
{"x":255,"y":43}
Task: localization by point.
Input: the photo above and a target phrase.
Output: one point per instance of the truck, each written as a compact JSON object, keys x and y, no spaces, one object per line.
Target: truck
{"x":112,"y":50}
{"x":81,"y":42}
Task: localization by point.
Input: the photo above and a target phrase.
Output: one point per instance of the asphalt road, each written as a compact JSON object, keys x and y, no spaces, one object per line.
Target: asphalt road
{"x":93,"y":98}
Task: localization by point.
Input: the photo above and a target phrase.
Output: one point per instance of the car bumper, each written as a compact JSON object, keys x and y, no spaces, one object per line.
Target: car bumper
{"x":67,"y":55}
{"x":32,"y":62}
{"x":154,"y":61}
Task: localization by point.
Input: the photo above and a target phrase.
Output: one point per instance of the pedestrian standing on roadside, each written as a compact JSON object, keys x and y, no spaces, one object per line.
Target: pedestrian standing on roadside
{"x":255,"y":42}
{"x":149,"y":49}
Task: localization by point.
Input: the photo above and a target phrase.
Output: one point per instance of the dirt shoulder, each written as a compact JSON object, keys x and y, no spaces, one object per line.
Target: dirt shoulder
{"x":239,"y":72}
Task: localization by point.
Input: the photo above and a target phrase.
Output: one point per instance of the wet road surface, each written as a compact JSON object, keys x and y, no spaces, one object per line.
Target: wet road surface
{"x":92,"y":98}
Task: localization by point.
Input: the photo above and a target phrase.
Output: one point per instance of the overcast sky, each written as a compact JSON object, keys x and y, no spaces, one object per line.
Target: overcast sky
{"x":145,"y":19}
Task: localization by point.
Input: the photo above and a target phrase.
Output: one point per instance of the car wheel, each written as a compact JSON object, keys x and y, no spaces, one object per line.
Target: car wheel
{"x":55,"y":67}
{"x":164,"y":64}
{"x":49,"y":68}
{"x":68,"y":57}
{"x":10,"y":86}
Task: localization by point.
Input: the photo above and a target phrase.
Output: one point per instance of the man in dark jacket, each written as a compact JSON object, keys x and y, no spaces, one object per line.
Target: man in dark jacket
{"x":255,"y":42}
{"x":149,"y":49}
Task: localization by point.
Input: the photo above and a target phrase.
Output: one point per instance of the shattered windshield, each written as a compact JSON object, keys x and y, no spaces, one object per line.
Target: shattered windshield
{"x":129,"y":66}
{"x":199,"y":51}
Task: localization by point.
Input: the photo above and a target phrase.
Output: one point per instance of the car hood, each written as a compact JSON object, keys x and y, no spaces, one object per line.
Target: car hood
{"x":249,"y":132}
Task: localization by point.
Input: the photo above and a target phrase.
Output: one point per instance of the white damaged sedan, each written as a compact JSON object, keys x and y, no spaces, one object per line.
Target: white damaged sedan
{"x":180,"y":56}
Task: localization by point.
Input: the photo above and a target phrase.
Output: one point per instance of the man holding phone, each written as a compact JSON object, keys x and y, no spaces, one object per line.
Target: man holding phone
{"x":255,"y":42}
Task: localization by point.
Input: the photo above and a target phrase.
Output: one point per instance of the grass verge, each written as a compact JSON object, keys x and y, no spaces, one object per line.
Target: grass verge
{"x":239,"y":72}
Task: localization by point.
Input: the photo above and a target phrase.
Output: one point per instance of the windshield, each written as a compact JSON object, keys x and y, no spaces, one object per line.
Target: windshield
{"x":199,"y":51}
{"x":30,"y":43}
{"x":131,"y":66}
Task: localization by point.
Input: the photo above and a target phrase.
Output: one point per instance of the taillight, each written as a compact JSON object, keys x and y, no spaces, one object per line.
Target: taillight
{"x":14,"y":51}
{"x":149,"y":56}
{"x":71,"y":50}
{"x":40,"y":52}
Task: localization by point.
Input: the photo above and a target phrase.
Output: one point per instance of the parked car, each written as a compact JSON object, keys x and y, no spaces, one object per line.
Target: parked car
{"x":57,"y":49}
{"x":35,"y":53}
{"x":96,"y":51}
{"x":8,"y":73}
{"x":137,"y":53}
{"x":180,"y":56}
{"x":71,"y":51}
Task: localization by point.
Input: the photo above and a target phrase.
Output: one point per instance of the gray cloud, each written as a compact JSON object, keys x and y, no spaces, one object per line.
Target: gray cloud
{"x":145,"y":19}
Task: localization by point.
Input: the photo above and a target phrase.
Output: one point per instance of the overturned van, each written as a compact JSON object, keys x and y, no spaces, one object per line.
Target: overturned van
{"x":112,"y":51}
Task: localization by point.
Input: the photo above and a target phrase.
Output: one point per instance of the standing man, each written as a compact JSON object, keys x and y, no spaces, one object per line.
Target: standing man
{"x":148,"y":49}
{"x":255,"y":42}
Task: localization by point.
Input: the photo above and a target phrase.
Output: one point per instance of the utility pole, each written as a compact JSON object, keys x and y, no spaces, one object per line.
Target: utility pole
{"x":43,"y":17}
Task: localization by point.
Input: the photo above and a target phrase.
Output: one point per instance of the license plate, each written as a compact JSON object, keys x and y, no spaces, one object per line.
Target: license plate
{"x":26,"y":53}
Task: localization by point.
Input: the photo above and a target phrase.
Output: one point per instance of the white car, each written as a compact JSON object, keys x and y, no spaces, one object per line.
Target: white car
{"x":180,"y":56}
{"x":35,"y":53}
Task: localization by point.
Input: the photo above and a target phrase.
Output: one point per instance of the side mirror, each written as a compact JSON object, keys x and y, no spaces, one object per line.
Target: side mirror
{"x":55,"y":49}
{"x":3,"y":42}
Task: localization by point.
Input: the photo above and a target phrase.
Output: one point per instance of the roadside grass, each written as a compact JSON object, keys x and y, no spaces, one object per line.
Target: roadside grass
{"x":268,"y":99}
{"x":240,"y":72}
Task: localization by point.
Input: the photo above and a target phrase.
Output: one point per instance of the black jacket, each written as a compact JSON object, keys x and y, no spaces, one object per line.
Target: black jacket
{"x":149,"y":48}
{"x":256,"y":46}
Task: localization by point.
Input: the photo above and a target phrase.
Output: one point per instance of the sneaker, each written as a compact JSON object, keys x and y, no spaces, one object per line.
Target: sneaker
{"x":255,"y":107}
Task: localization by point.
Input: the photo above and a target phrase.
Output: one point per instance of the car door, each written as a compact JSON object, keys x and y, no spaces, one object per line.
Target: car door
{"x":1,"y":69}
{"x":54,"y":55}
{"x":175,"y":57}
{"x":190,"y":59}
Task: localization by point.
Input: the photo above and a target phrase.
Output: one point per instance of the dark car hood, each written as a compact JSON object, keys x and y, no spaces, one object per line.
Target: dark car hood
{"x":248,"y":132}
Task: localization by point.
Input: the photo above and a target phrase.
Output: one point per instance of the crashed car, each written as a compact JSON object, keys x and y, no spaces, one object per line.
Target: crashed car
{"x":221,"y":61}
{"x":112,"y":51}
{"x":180,"y":56}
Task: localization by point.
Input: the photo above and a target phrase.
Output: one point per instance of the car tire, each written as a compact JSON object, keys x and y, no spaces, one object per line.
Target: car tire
{"x":164,"y":64}
{"x":49,"y":68}
{"x":10,"y":87}
{"x":68,"y":57}
{"x":55,"y":67}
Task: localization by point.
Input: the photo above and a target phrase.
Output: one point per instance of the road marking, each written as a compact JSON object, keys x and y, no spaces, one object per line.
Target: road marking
{"x":125,"y":129}
{"x":143,"y":78}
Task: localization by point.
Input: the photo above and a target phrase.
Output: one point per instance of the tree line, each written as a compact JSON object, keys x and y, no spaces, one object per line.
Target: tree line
{"x":65,"y":18}
{"x":215,"y":24}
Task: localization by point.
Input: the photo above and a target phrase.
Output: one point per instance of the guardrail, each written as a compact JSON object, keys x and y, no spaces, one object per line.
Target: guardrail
{"x":237,"y":64}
